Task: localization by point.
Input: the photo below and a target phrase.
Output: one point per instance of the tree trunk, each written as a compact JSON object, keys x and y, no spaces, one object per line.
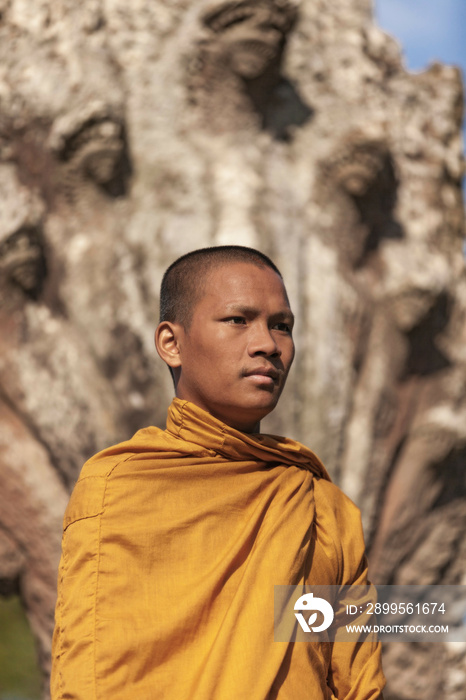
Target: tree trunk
{"x":131,"y":133}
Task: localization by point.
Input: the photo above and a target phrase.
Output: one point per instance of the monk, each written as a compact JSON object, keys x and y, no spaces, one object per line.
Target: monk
{"x":173,"y":541}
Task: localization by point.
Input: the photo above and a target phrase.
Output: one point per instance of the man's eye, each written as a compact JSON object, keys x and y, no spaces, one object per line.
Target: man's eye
{"x":235,"y":320}
{"x":285,"y":327}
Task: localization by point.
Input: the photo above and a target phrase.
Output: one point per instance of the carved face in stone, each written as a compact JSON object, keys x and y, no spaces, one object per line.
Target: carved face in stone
{"x":356,"y":167}
{"x":22,"y":261}
{"x":97,"y":151}
{"x":252,"y":34}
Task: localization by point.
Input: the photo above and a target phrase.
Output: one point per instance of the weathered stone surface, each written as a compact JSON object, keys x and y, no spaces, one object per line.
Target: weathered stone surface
{"x":131,"y":133}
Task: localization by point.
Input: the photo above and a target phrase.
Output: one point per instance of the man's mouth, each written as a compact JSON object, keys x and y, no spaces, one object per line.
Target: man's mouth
{"x":264,"y":375}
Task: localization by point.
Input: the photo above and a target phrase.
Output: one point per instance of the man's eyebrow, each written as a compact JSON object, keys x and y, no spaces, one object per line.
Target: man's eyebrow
{"x":285,"y":314}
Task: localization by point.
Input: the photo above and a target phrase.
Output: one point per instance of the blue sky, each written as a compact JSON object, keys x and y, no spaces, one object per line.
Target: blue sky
{"x":427,"y":30}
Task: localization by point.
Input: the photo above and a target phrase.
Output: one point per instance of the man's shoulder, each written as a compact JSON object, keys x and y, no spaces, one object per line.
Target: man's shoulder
{"x":87,"y":497}
{"x":103,"y":463}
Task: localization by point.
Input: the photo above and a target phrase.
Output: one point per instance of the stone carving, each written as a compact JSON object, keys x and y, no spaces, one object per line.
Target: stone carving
{"x":363,"y":171}
{"x":97,"y":150}
{"x":22,"y":261}
{"x":237,"y":72}
{"x":358,"y":164}
{"x":23,"y":265}
{"x":252,"y":34}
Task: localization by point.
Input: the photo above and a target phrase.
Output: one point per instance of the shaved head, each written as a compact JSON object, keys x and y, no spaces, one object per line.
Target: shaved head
{"x":183,"y":283}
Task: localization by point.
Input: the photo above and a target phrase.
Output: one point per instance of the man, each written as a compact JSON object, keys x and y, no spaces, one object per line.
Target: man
{"x":175,"y":539}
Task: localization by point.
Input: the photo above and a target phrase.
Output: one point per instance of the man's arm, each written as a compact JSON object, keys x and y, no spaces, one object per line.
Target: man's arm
{"x":73,"y":652}
{"x":355,"y":668}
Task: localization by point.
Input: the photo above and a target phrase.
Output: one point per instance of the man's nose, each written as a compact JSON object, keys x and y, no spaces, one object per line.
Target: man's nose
{"x":262,"y":342}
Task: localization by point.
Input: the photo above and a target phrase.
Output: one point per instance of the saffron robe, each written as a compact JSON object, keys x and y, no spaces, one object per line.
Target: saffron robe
{"x":173,"y":542}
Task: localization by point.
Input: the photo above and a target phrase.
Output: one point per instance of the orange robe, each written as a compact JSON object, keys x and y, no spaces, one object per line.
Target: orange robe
{"x":173,"y":542}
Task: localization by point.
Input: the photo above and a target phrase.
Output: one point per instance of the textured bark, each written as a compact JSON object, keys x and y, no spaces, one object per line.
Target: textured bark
{"x":131,"y":133}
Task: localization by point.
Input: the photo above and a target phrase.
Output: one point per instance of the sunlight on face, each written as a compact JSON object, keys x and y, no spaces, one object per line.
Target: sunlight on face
{"x":237,"y":353}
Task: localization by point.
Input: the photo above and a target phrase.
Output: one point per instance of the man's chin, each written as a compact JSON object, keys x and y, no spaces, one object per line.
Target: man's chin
{"x":249,"y":417}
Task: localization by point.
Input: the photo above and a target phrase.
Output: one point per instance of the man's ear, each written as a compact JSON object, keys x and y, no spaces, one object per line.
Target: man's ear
{"x":167,"y":339}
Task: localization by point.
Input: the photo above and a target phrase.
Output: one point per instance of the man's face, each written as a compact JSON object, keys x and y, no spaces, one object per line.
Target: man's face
{"x":237,"y":352}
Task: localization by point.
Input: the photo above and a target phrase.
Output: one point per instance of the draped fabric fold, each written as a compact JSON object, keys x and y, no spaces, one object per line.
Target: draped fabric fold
{"x":173,"y":542}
